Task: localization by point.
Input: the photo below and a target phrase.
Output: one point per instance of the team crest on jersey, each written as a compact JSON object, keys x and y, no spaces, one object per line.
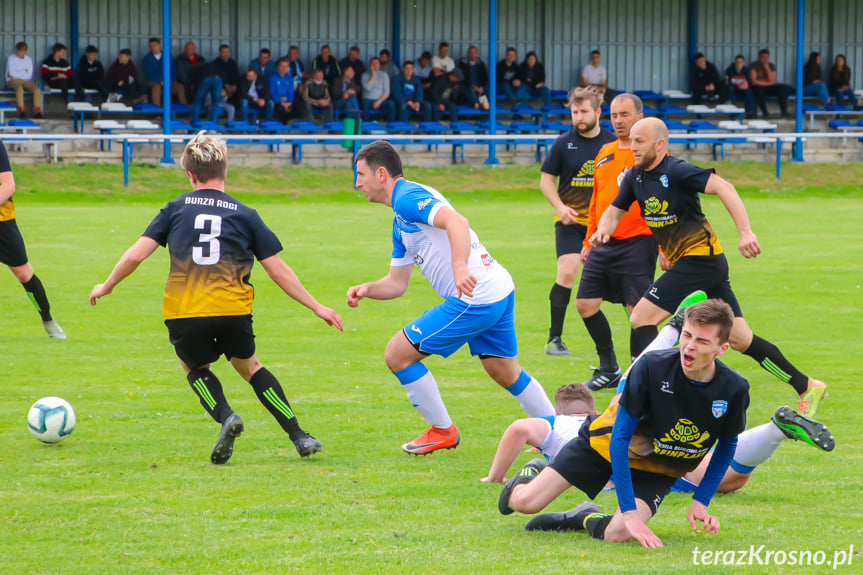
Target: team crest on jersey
{"x":663,"y":179}
{"x":487,"y":260}
{"x":422,"y":204}
{"x":720,"y":406}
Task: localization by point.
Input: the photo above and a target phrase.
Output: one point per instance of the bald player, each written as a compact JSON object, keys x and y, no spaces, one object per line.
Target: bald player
{"x":666,"y":189}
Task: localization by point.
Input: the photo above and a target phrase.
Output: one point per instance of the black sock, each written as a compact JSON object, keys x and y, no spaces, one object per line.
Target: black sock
{"x":640,"y":338}
{"x":596,"y":523}
{"x":269,"y":392}
{"x":559,"y":300}
{"x":599,"y":330}
{"x":208,"y":388}
{"x":771,"y":359}
{"x":36,"y":293}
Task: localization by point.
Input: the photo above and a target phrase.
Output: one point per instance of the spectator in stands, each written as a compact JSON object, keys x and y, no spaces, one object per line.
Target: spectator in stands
{"x":255,"y":94}
{"x":57,"y":73}
{"x":227,"y":69}
{"x":762,"y":80}
{"x":707,"y":84}
{"x":263,"y":64}
{"x":408,"y":95}
{"x":345,"y":93}
{"x":424,"y":73}
{"x":19,"y":77}
{"x":737,"y":79}
{"x":444,"y":83}
{"x":387,"y":64}
{"x":352,"y":60}
{"x":532,"y":74}
{"x":206,"y":84}
{"x":595,"y":77}
{"x":376,"y":90}
{"x":473,"y":89}
{"x":296,"y":68}
{"x":813,"y":82}
{"x":91,"y":74}
{"x":122,"y":78}
{"x":153,"y":71}
{"x":316,"y":94}
{"x":327,"y":63}
{"x":282,"y":91}
{"x":184,"y":64}
{"x":840,"y":82}
{"x":508,"y":82}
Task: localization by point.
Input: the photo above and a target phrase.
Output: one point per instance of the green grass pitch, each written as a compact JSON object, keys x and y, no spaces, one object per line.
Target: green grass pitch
{"x":132,"y":490}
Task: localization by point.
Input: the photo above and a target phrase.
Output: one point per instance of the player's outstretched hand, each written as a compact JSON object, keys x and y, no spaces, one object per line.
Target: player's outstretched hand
{"x":749,"y":245}
{"x":464,"y":281}
{"x":640,"y":531}
{"x":599,"y":238}
{"x":356,"y":293}
{"x":98,"y":291}
{"x":330,"y":316}
{"x":698,"y":512}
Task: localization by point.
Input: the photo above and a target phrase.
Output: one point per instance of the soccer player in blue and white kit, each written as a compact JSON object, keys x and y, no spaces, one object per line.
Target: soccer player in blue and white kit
{"x":478,"y":297}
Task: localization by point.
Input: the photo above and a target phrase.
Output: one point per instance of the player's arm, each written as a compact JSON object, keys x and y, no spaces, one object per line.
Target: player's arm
{"x":458,"y":231}
{"x":129,"y":262}
{"x":548,"y":186}
{"x":282,"y":274}
{"x":713,"y":475}
{"x":731,"y":200}
{"x":621,"y":435}
{"x":606,"y":226}
{"x":7,"y":186}
{"x":391,"y":286}
{"x":531,"y":431}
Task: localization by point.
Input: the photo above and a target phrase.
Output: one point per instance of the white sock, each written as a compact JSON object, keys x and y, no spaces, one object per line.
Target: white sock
{"x":425,"y":396}
{"x":534,"y":401}
{"x":756,"y":445}
{"x":665,"y":339}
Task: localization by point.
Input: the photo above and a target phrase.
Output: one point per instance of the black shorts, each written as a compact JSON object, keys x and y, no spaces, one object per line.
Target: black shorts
{"x":689,"y":274}
{"x":199,"y":341}
{"x":12,"y":251}
{"x":569,"y":239}
{"x":588,"y":471}
{"x":619,"y":271}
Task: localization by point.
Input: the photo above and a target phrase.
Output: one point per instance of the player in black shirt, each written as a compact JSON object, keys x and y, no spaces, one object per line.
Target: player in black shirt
{"x":571,"y":158}
{"x":13,"y":252}
{"x":213,"y":240}
{"x":675,"y":406}
{"x":667,"y":189}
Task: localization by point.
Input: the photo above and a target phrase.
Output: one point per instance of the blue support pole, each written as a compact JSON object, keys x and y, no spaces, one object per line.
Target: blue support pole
{"x":691,"y":29}
{"x":492,"y":80}
{"x":74,"y":35}
{"x":798,"y":108}
{"x":397,"y":32}
{"x":166,"y":81}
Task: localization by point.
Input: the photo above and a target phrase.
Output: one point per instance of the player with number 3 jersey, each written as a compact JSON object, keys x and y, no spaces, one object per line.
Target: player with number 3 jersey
{"x":213,"y":240}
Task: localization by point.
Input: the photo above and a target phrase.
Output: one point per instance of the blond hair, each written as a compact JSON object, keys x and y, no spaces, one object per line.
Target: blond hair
{"x":578,"y":95}
{"x":573,"y":399}
{"x":206,"y":157}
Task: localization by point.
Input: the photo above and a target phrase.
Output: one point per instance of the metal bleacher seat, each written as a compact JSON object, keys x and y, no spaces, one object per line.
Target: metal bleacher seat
{"x":555,"y":126}
{"x":5,"y":107}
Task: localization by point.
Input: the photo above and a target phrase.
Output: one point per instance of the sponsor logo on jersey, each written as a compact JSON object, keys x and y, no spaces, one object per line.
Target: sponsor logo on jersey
{"x":418,"y":260}
{"x":571,"y":146}
{"x":652,"y":293}
{"x":656,"y":214}
{"x":666,"y":387}
{"x":605,"y":159}
{"x":719,"y":407}
{"x":422,"y":204}
{"x":687,"y":433}
{"x":416,"y":329}
{"x":487,"y":260}
{"x":663,"y":179}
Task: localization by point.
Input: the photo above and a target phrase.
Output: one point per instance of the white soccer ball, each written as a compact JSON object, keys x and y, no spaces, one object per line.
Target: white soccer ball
{"x":51,"y":419}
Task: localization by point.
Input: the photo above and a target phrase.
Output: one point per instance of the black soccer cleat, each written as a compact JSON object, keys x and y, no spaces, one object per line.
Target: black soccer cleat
{"x":603,"y":379}
{"x":306,"y":444}
{"x":572,"y":520}
{"x":802,"y":428}
{"x":524,"y":475}
{"x":224,"y":448}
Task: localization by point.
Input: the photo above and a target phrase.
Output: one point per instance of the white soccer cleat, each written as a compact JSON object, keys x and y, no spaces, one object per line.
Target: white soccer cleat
{"x":53,"y":329}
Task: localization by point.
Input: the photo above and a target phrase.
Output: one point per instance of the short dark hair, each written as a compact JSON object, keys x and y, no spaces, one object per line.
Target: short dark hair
{"x":698,"y":55}
{"x":511,"y":49}
{"x":224,"y":46}
{"x":297,"y":48}
{"x":741,"y":56}
{"x":407,"y":62}
{"x":154,"y":39}
{"x":596,"y":52}
{"x":126,"y":51}
{"x":280,"y":60}
{"x":381,"y":154}
{"x":373,"y":58}
{"x":574,"y":398}
{"x":57,"y":47}
{"x":531,"y":53}
{"x":324,"y":47}
{"x":636,"y":101}
{"x":22,"y":46}
{"x":252,"y":69}
{"x":354,"y":49}
{"x":712,"y":312}
{"x":91,"y":49}
{"x":264,"y":51}
{"x":384,"y":51}
{"x":763,"y":51}
{"x":443,"y":45}
{"x":426,"y":55}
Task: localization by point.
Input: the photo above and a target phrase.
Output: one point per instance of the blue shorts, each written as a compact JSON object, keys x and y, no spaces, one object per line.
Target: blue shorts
{"x":488,"y":329}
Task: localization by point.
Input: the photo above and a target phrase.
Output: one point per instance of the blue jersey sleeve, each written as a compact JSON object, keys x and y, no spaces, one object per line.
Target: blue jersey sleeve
{"x":722,"y":456}
{"x":399,"y":250}
{"x":417,"y":206}
{"x":621,"y":435}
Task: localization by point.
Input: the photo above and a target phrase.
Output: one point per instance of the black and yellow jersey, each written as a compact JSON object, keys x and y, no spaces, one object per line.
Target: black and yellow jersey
{"x":7,"y":208}
{"x":679,"y":419}
{"x":572,"y":158}
{"x":669,"y":202}
{"x":213,"y":240}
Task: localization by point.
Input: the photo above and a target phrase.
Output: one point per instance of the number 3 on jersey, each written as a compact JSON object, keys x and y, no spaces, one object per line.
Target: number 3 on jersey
{"x":211,"y":239}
